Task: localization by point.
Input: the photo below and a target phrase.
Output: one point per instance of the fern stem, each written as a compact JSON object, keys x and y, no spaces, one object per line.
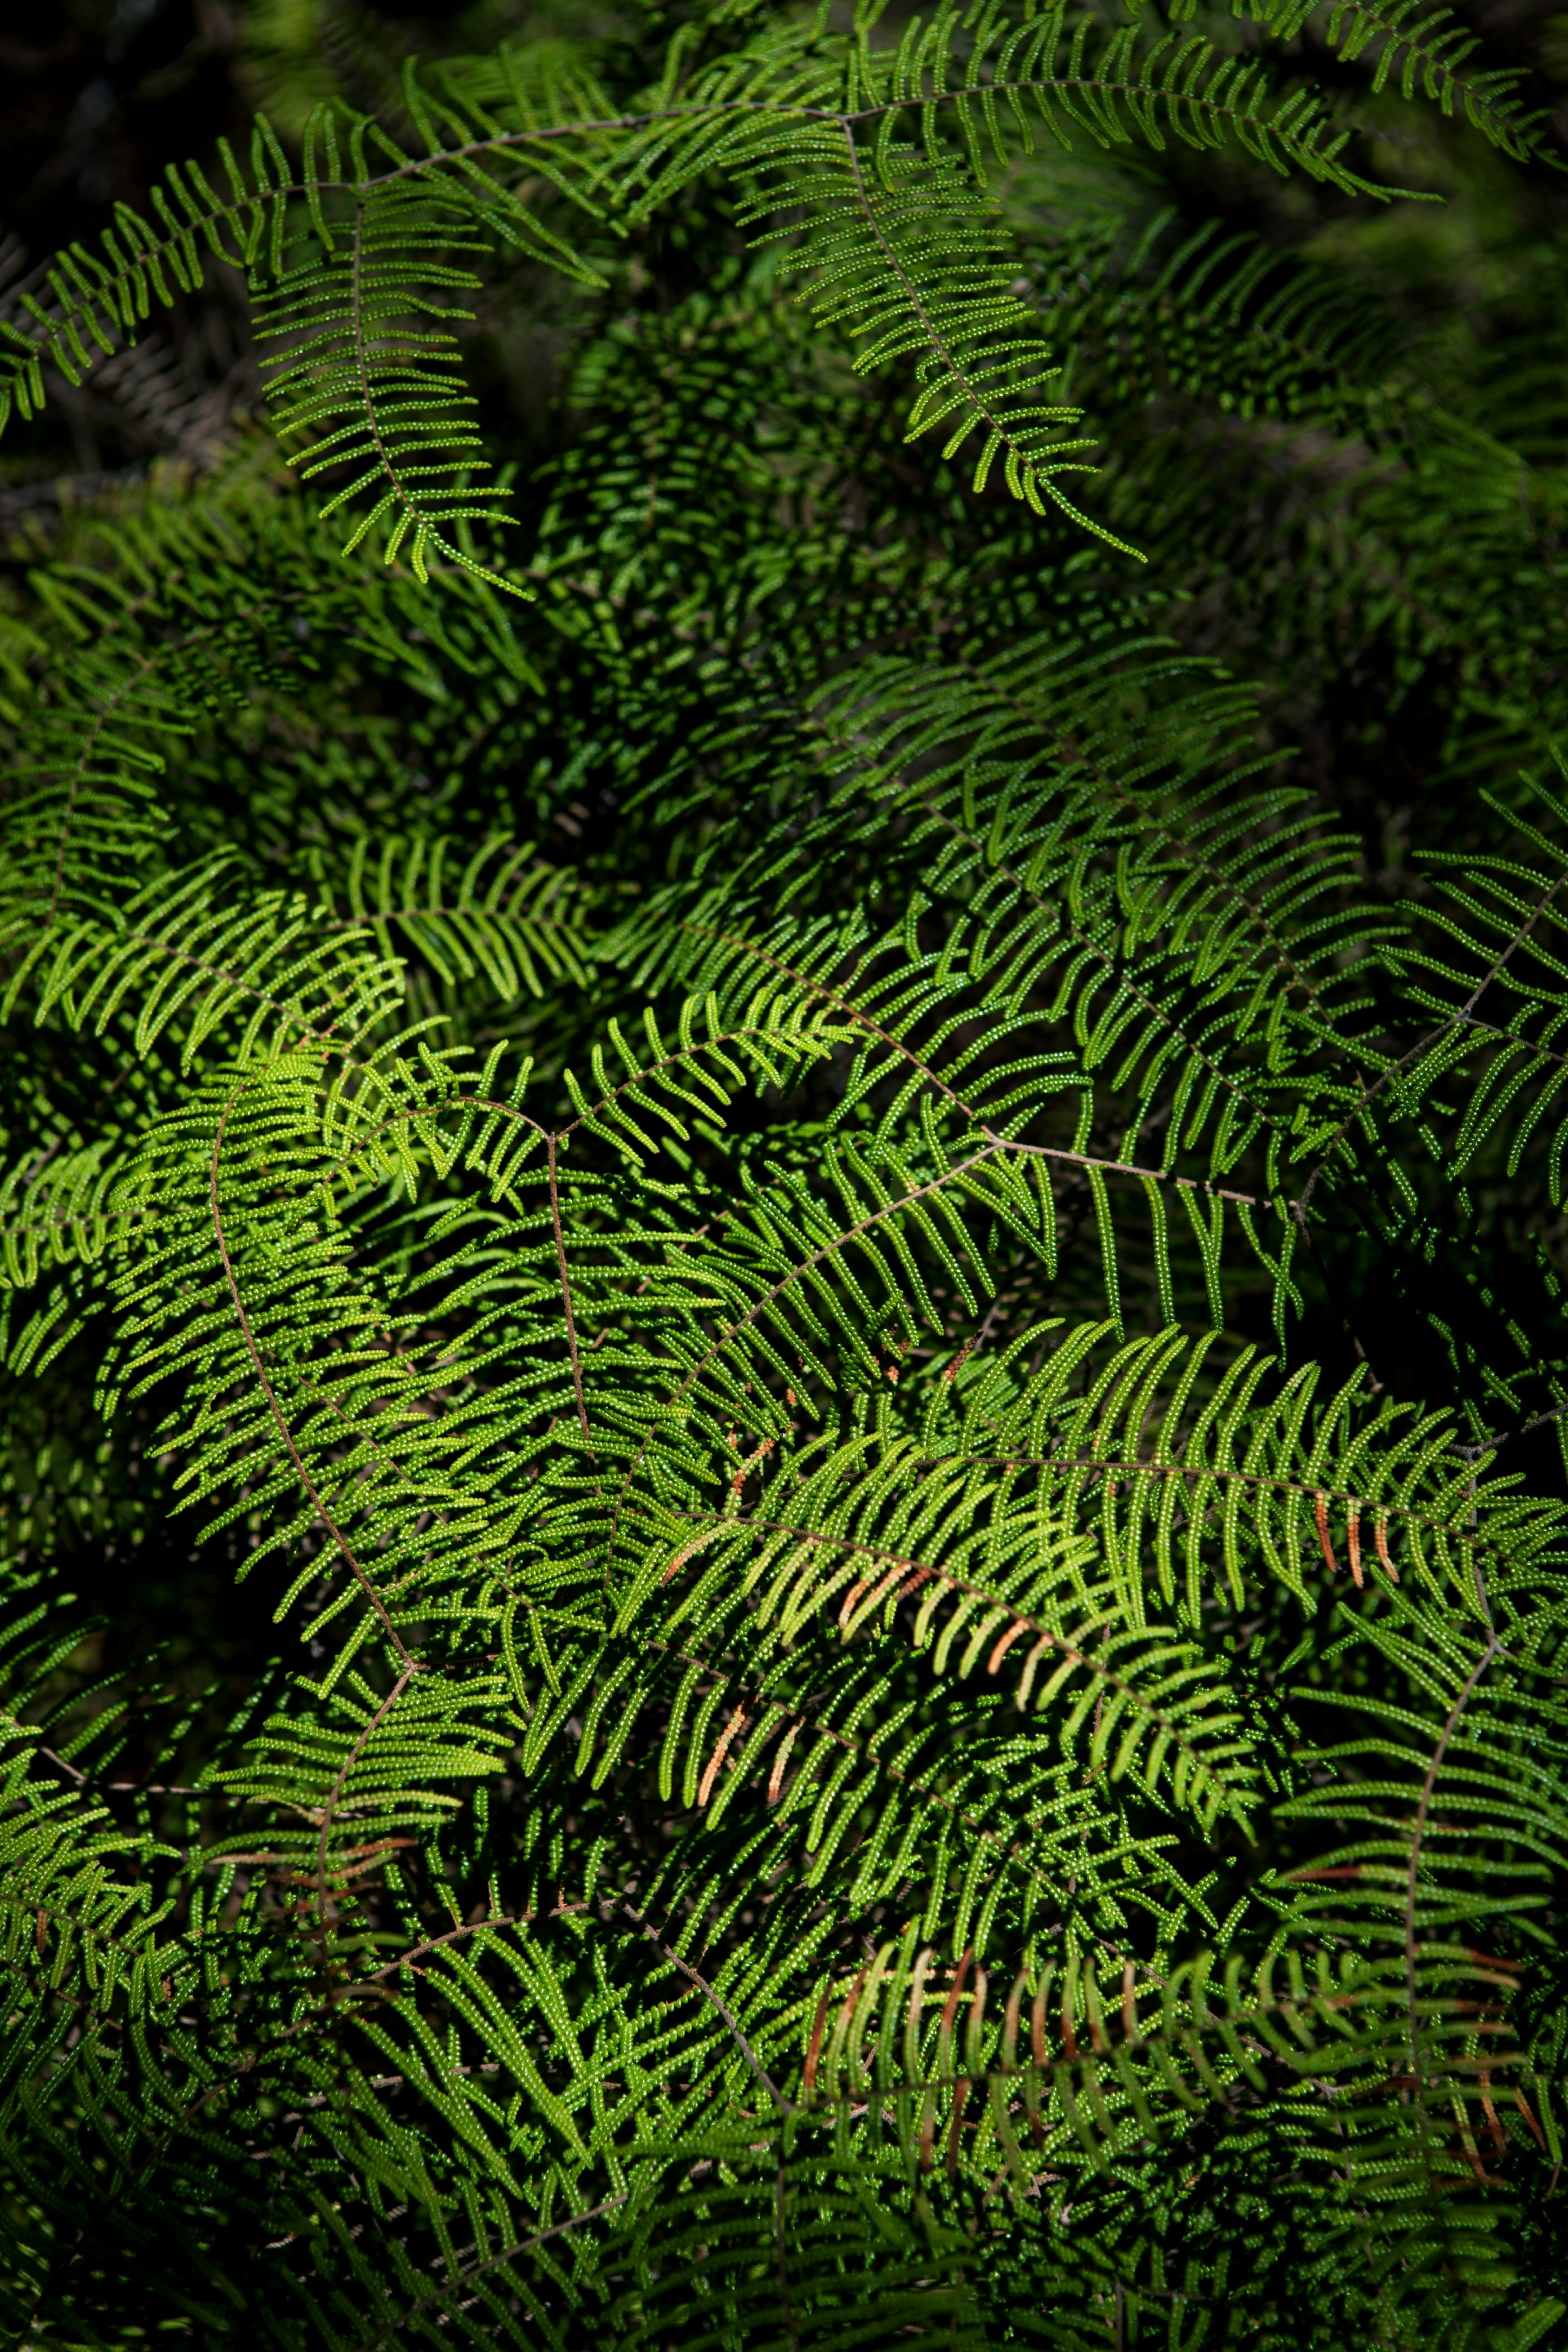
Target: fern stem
{"x":286,"y":1434}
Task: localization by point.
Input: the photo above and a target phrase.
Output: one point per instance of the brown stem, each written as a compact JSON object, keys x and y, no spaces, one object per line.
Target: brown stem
{"x":566,"y":1298}
{"x":329,"y":1813}
{"x":509,"y":2253}
{"x":784,"y":2106}
{"x":323,"y":1514}
{"x":1418,"y":1831}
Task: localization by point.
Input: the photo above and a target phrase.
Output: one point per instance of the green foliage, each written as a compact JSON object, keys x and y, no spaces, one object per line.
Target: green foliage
{"x":864,"y":1305}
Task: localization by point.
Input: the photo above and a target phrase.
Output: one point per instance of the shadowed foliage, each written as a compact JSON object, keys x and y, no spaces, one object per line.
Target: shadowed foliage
{"x":784,"y":1346}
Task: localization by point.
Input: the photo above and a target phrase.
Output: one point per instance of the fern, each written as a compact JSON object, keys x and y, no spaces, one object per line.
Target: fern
{"x":851,"y":1325}
{"x":378,"y":389}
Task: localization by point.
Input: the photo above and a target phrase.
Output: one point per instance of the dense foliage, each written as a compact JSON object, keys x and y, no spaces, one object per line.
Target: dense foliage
{"x":785,"y":1379}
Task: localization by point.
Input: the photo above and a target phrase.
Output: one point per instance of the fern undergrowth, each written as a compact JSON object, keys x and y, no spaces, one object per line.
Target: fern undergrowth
{"x":785,"y":1358}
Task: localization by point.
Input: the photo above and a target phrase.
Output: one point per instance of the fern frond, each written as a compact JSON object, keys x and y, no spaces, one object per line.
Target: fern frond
{"x":901,"y":245}
{"x":824,"y":1742}
{"x":505,"y":914}
{"x":1422,"y":50}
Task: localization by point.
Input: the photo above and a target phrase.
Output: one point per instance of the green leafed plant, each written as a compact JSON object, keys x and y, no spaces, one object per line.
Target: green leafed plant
{"x":785,"y":1543}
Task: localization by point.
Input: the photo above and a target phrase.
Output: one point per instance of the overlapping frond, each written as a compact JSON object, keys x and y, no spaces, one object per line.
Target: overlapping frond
{"x":773,"y":1216}
{"x":1422,"y":50}
{"x":503,"y":913}
{"x":1081,"y":888}
{"x":353,"y":257}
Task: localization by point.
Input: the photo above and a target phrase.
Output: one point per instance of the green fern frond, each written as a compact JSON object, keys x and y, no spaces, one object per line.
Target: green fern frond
{"x":1422,"y":50}
{"x":371,"y":373}
{"x":724,"y":1690}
